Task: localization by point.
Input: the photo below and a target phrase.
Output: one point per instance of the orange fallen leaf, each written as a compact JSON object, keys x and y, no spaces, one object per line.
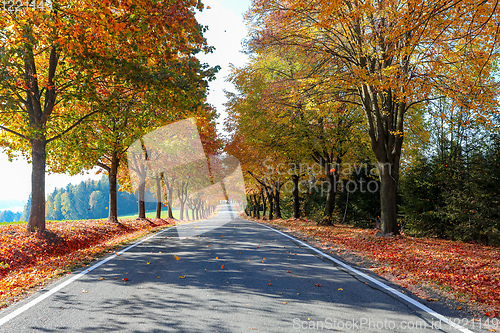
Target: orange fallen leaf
{"x":125,"y":279}
{"x":317,"y":285}
{"x":177,"y":258}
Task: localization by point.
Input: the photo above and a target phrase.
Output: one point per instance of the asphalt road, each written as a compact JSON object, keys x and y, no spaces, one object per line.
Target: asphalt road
{"x":221,"y":275}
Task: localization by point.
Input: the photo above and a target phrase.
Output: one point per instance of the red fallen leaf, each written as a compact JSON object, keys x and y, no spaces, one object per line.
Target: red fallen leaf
{"x":268,"y":284}
{"x":288,"y":272}
{"x":125,"y":279}
{"x":222,"y":266}
{"x":257,"y":247}
{"x":317,"y":285}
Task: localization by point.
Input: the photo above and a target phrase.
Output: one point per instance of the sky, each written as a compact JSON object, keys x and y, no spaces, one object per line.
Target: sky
{"x":226,"y":31}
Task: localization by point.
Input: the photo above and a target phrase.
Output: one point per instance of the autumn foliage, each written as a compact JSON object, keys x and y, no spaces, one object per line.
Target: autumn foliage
{"x":469,"y":272}
{"x":29,"y":259}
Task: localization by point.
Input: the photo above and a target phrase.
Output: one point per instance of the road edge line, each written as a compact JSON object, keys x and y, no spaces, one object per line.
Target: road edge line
{"x":17,"y":312}
{"x":373,"y":280}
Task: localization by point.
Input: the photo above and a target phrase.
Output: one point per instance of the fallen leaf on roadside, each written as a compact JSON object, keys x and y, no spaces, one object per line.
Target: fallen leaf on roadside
{"x":85,"y":291}
{"x":317,"y":285}
{"x":125,"y":279}
{"x":177,"y":258}
{"x":181,"y":276}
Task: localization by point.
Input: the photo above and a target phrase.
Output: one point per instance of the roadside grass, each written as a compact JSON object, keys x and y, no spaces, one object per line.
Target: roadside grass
{"x":455,"y":271}
{"x":152,"y":215}
{"x":149,"y":215}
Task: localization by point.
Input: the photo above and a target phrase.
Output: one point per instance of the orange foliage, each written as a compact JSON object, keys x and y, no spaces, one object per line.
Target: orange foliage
{"x":29,"y":259}
{"x":463,"y":269}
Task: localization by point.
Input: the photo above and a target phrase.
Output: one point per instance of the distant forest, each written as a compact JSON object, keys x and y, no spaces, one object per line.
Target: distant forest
{"x":87,"y":200}
{"x":9,"y":216}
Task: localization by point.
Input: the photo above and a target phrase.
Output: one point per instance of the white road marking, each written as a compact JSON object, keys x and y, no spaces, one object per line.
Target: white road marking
{"x":375,"y":281}
{"x":51,"y":292}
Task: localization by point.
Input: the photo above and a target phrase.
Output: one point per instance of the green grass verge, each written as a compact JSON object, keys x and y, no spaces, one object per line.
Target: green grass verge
{"x":152,"y":214}
{"x":149,"y":215}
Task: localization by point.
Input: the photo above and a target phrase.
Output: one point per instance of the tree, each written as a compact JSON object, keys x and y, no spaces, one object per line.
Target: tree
{"x":175,"y":154}
{"x":389,"y":56}
{"x":301,"y":121}
{"x":51,"y":58}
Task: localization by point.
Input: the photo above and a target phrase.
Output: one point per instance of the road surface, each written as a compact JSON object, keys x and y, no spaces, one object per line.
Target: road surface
{"x":226,"y":274}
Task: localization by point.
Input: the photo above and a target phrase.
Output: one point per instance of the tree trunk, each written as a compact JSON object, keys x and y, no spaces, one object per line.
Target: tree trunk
{"x":295,"y":194}
{"x":264,"y":203}
{"x":386,"y":130}
{"x":330,"y":199}
{"x":169,"y":196}
{"x":158,"y":197}
{"x":181,"y":208}
{"x":113,"y":202}
{"x":36,"y":221}
{"x":277,"y":192}
{"x":271,"y":203}
{"x":253,"y":201}
{"x":388,"y":196}
{"x":257,"y":206}
{"x":169,"y":204}
{"x":142,"y":206}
